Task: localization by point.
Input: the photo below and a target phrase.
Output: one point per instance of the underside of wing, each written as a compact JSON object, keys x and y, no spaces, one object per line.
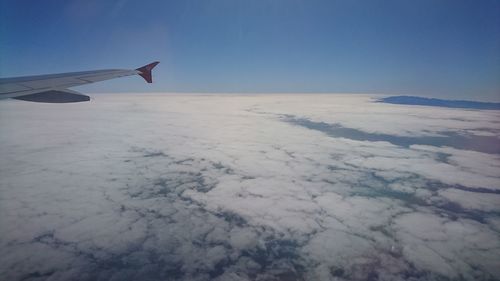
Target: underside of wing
{"x":55,"y":97}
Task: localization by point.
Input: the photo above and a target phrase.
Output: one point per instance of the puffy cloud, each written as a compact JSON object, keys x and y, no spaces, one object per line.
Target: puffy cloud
{"x":227,"y":187}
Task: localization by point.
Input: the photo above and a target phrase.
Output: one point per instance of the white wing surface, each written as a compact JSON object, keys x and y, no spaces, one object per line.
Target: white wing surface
{"x":53,"y":88}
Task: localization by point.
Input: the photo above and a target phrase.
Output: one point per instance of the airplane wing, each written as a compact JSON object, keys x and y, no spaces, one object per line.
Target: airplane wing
{"x":53,"y":88}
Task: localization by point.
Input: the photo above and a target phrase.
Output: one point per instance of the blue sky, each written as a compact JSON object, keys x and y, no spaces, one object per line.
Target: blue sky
{"x":440,"y":48}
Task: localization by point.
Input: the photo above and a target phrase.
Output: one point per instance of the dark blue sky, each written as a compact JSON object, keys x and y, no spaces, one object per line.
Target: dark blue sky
{"x":448,"y":49}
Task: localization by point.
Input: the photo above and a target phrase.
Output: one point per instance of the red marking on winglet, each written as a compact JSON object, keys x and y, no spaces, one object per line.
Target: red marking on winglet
{"x":145,"y":71}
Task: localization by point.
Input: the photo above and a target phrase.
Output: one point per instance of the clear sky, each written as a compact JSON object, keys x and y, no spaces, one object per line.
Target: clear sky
{"x":440,"y":48}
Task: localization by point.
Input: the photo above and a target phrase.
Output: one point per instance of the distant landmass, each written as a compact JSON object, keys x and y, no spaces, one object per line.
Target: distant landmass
{"x":412,"y":100}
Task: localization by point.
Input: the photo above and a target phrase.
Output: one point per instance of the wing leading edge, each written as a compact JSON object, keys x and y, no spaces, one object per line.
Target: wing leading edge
{"x":53,"y":88}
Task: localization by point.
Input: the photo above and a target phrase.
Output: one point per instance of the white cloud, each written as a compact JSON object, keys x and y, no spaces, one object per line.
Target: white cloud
{"x":199,"y":187}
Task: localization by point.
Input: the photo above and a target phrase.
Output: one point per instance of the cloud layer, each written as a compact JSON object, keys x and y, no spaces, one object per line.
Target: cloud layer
{"x":232,"y":187}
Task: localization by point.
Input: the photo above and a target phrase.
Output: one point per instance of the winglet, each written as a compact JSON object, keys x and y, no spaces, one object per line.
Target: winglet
{"x":145,"y":71}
